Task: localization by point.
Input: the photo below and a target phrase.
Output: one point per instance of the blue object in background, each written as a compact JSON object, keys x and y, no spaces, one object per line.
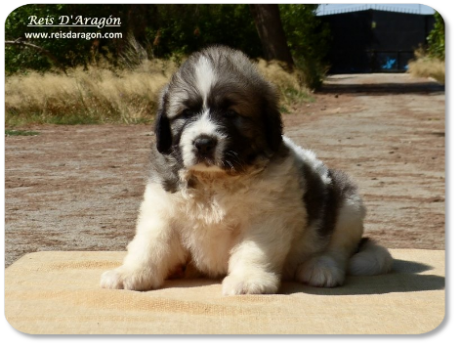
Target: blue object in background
{"x":389,"y":64}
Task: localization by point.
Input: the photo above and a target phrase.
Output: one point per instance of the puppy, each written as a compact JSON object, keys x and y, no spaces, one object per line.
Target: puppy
{"x":232,"y":197}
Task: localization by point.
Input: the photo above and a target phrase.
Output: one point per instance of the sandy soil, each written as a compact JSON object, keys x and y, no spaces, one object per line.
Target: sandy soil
{"x":79,"y":187}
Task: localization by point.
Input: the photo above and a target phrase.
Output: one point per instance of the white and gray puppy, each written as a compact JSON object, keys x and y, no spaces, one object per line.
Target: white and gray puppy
{"x":230,"y":196}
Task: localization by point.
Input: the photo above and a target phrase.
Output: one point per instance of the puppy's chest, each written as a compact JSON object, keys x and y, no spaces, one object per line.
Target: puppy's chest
{"x":214,"y":207}
{"x":211,"y":227}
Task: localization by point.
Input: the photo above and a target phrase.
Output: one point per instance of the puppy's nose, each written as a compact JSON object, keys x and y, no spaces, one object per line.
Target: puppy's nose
{"x":205,"y":144}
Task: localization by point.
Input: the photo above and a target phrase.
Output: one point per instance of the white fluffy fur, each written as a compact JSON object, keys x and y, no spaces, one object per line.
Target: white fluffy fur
{"x":205,"y":77}
{"x":373,"y":259}
{"x":309,"y":157}
{"x":252,"y":230}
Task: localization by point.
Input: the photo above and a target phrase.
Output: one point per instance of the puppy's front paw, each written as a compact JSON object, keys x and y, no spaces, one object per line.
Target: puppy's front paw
{"x":238,"y":284}
{"x":122,"y":278}
{"x":111,"y":280}
{"x":323,"y":271}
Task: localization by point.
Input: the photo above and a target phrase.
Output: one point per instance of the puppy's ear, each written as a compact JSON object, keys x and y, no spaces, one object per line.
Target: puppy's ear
{"x":163,"y":126}
{"x":163,"y":133}
{"x":274,"y":126}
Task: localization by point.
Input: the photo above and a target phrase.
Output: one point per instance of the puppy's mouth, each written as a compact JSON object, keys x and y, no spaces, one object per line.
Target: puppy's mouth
{"x":205,"y":153}
{"x":204,"y":161}
{"x":211,"y":154}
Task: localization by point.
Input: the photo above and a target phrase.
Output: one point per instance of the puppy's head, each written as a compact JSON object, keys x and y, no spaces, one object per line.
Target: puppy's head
{"x":218,"y":114}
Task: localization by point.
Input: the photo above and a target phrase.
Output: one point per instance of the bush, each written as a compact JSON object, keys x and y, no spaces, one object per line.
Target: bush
{"x":309,"y":40}
{"x":165,"y":32}
{"x":69,"y":52}
{"x":436,"y":39}
{"x":93,"y":95}
{"x":184,"y":29}
{"x":427,"y":66}
{"x":429,"y":61}
{"x":108,"y":95}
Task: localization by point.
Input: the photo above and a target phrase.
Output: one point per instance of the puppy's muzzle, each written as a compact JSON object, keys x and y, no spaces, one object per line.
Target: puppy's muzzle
{"x":204,"y":146}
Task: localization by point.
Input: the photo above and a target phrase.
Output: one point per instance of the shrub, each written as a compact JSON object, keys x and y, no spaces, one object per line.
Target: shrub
{"x":102,"y":94}
{"x":436,"y":38}
{"x":427,"y":66}
{"x":94,"y":95}
{"x":309,"y":40}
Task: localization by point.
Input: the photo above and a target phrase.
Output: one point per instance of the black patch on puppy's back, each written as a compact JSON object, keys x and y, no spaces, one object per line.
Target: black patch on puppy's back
{"x":323,"y":201}
{"x":315,"y":196}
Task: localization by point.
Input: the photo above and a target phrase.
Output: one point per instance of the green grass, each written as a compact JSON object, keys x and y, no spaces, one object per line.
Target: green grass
{"x":23,"y":120}
{"x":75,"y":119}
{"x":12,"y":133}
{"x":284,"y":109}
{"x":294,"y":96}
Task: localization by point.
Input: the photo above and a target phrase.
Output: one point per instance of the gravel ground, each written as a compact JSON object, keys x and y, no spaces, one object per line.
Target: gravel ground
{"x":79,"y":187}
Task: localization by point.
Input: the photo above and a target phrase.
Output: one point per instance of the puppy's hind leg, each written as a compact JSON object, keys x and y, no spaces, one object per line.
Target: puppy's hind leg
{"x":370,"y":259}
{"x":329,"y":268}
{"x":324,"y":270}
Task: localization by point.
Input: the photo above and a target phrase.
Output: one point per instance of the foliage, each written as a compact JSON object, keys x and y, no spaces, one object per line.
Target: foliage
{"x":429,"y":61}
{"x":308,"y":39}
{"x":85,"y":96}
{"x":426,"y":65}
{"x":70,"y":52}
{"x":12,"y":133}
{"x":110,"y":95}
{"x":118,"y":80}
{"x":183,"y":29}
{"x":161,"y":31}
{"x":436,"y":38}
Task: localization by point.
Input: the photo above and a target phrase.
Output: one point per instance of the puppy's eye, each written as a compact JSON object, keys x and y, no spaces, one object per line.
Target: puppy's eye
{"x":231,"y":113}
{"x":187,"y":113}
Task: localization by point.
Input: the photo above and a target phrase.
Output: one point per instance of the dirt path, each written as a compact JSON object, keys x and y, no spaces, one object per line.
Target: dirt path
{"x":79,"y":187}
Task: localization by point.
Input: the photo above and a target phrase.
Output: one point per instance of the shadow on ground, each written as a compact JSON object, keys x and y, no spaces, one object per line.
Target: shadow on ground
{"x":405,"y":277}
{"x":382,"y":88}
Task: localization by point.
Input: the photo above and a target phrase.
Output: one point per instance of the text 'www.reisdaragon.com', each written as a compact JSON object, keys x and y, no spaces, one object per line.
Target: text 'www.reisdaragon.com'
{"x":73,"y":35}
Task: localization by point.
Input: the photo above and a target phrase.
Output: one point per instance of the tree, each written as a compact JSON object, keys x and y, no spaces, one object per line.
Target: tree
{"x":270,"y":29}
{"x":308,"y":39}
{"x":287,"y":33}
{"x":436,"y":38}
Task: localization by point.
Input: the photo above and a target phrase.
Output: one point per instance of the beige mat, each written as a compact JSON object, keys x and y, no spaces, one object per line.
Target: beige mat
{"x":58,"y":293}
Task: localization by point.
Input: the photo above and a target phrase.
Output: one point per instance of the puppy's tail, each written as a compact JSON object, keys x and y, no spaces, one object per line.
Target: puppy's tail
{"x":370,"y":259}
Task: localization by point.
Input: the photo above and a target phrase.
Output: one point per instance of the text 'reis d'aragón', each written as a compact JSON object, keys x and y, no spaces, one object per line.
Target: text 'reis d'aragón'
{"x":74,"y":21}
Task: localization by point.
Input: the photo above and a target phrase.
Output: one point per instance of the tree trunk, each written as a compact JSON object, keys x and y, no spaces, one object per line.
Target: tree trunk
{"x":268,"y":23}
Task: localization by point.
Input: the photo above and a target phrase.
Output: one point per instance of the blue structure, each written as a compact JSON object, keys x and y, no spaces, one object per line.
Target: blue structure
{"x":373,"y":40}
{"x":328,"y":9}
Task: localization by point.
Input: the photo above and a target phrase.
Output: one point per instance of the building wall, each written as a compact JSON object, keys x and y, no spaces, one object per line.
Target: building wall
{"x":375,"y":41}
